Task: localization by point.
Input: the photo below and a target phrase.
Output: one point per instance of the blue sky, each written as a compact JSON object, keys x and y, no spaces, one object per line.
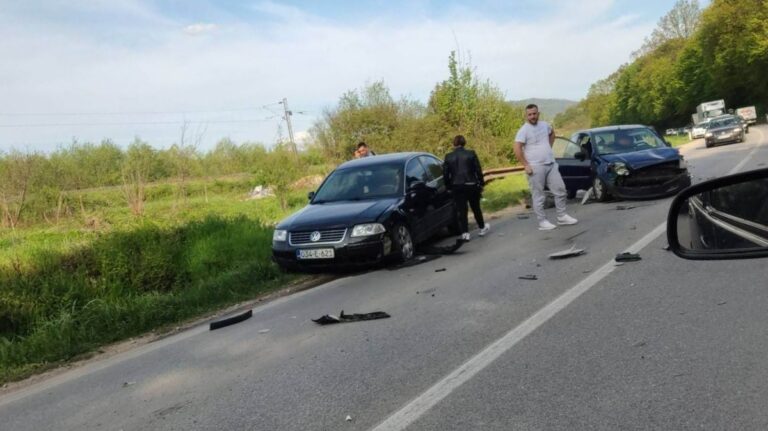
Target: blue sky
{"x":87,"y":70}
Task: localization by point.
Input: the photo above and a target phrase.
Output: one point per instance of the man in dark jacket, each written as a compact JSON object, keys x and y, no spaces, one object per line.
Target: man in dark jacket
{"x":464,"y":177}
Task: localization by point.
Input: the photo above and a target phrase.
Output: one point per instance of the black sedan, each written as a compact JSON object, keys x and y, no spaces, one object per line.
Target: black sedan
{"x":627,"y":161}
{"x":365,"y":211}
{"x":723,"y":130}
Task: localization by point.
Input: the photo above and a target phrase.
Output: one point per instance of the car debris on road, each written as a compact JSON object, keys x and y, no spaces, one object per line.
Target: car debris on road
{"x":571,"y":252}
{"x":627,"y":257}
{"x":330,"y":319}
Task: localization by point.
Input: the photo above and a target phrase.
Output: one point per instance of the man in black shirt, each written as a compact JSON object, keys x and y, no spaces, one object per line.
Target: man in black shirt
{"x":464,"y":177}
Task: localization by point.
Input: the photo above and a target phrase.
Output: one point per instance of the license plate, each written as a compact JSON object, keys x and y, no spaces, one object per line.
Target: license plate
{"x":315,"y":253}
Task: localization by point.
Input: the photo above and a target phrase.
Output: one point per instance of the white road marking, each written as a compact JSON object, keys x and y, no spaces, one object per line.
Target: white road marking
{"x":417,"y":407}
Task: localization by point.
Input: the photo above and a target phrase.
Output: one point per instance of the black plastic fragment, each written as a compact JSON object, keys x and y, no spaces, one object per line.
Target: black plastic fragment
{"x":627,"y":257}
{"x":528,"y":277}
{"x":330,"y":319}
{"x":231,"y":320}
{"x":440,"y":270}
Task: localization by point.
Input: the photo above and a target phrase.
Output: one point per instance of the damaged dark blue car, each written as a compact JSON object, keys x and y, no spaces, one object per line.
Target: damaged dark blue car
{"x":626,"y":162}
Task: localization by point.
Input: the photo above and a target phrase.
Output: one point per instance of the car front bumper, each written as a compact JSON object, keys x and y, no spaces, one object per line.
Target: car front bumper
{"x":664,"y":188}
{"x":722,"y":139}
{"x":351,"y":252}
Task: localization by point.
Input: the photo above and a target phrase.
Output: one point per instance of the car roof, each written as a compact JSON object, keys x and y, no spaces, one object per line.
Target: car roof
{"x":381,"y":159}
{"x":612,"y":128}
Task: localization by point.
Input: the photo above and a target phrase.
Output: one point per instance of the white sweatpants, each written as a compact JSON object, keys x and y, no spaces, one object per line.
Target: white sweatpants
{"x":549,"y":176}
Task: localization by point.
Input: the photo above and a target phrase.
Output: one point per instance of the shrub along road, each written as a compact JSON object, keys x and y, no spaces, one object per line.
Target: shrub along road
{"x":661,"y":342}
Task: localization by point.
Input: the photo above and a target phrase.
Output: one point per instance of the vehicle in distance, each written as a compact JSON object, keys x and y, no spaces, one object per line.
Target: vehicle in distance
{"x":365,"y":211}
{"x":698,"y":130}
{"x":626,"y":161}
{"x":724,"y":129}
{"x":748,"y":113}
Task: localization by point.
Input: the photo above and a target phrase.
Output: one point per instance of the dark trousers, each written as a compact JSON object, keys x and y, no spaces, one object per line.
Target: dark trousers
{"x":463,"y":195}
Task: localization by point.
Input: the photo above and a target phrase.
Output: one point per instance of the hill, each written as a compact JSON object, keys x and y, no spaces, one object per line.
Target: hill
{"x":549,"y":107}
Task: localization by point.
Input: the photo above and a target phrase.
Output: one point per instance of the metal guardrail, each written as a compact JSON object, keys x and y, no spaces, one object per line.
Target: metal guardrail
{"x":496,"y":173}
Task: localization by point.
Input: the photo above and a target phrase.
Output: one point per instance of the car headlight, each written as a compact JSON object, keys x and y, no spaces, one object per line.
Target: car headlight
{"x":708,"y":135}
{"x":738,"y":129}
{"x":683,"y":164}
{"x":279,"y":235}
{"x":620,"y":168}
{"x":367,"y":229}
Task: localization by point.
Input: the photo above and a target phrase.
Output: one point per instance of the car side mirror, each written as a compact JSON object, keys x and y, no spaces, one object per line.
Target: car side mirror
{"x":724,"y":218}
{"x":580,"y":156}
{"x":311,"y":195}
{"x":417,"y":188}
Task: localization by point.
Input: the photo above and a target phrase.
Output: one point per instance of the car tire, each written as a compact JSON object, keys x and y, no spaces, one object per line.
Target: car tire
{"x":402,"y":243}
{"x":708,"y":145}
{"x":599,"y":190}
{"x":570,"y":194}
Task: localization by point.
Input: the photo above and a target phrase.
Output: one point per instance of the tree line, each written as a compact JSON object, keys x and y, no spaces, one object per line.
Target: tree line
{"x":693,"y":56}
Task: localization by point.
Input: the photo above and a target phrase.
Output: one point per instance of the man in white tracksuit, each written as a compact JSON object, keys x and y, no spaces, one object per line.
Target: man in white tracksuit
{"x":533,"y":149}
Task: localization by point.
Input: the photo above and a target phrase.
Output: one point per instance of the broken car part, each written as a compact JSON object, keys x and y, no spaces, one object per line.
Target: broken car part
{"x":231,"y":320}
{"x":330,"y":319}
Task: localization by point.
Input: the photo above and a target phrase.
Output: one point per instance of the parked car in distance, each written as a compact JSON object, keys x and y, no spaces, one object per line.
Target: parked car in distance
{"x":724,"y":129}
{"x":698,"y":130}
{"x":365,"y":211}
{"x":625,"y":161}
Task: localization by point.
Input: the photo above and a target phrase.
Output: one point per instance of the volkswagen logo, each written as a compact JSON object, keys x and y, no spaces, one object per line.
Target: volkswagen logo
{"x":315,"y":236}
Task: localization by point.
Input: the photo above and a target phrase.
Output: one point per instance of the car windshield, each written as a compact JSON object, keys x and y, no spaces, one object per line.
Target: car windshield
{"x":725,"y":122}
{"x":359,"y":183}
{"x":627,"y":140}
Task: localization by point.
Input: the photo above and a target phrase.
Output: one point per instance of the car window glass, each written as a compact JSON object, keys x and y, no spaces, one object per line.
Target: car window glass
{"x":368,"y":182}
{"x":434,"y":169}
{"x":627,"y":140}
{"x":414,"y":171}
{"x":564,"y":149}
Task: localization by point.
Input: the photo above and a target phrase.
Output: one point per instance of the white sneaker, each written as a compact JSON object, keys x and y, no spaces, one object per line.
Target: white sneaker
{"x":485,"y":229}
{"x":546,"y":225}
{"x":465,"y":236}
{"x":566,"y":219}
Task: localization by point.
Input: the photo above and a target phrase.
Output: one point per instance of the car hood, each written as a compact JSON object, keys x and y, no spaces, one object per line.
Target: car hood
{"x":336,"y":214}
{"x":641,"y":159}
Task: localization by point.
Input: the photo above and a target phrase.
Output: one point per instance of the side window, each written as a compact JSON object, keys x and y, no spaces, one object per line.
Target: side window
{"x":564,"y":149}
{"x":415,"y":172}
{"x":434,"y":168}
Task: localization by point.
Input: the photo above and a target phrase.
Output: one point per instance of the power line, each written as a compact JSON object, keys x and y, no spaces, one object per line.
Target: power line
{"x":136,"y":123}
{"x":66,"y":114}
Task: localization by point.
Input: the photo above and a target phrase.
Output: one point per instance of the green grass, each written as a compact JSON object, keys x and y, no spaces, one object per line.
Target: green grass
{"x":70,"y":301}
{"x":102,"y":275}
{"x":505,"y":192}
{"x":677,"y":141}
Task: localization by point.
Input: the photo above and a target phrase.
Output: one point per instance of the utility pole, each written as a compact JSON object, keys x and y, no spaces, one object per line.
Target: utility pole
{"x":287,"y":117}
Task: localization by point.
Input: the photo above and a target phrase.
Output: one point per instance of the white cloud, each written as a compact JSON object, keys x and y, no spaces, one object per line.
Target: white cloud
{"x":308,"y":60}
{"x":199,"y":28}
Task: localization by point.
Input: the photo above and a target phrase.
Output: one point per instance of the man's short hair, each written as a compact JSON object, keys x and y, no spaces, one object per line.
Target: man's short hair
{"x":361,"y":144}
{"x":459,"y":141}
{"x":531,"y":106}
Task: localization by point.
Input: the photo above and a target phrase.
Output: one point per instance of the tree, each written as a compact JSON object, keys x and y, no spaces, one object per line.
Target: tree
{"x":280,"y":170}
{"x":16,"y":177}
{"x":137,"y":168}
{"x":679,"y":23}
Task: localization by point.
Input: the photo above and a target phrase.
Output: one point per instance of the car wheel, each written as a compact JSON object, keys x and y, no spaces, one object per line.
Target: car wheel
{"x":402,"y":243}
{"x":599,"y":190}
{"x":571,"y":194}
{"x":708,"y":145}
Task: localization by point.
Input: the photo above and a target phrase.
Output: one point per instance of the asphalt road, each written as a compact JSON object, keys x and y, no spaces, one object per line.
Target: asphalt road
{"x":661,"y":343}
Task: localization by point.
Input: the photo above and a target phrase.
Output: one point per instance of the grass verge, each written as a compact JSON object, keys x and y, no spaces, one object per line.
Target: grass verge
{"x":62,"y":304}
{"x":505,"y":192}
